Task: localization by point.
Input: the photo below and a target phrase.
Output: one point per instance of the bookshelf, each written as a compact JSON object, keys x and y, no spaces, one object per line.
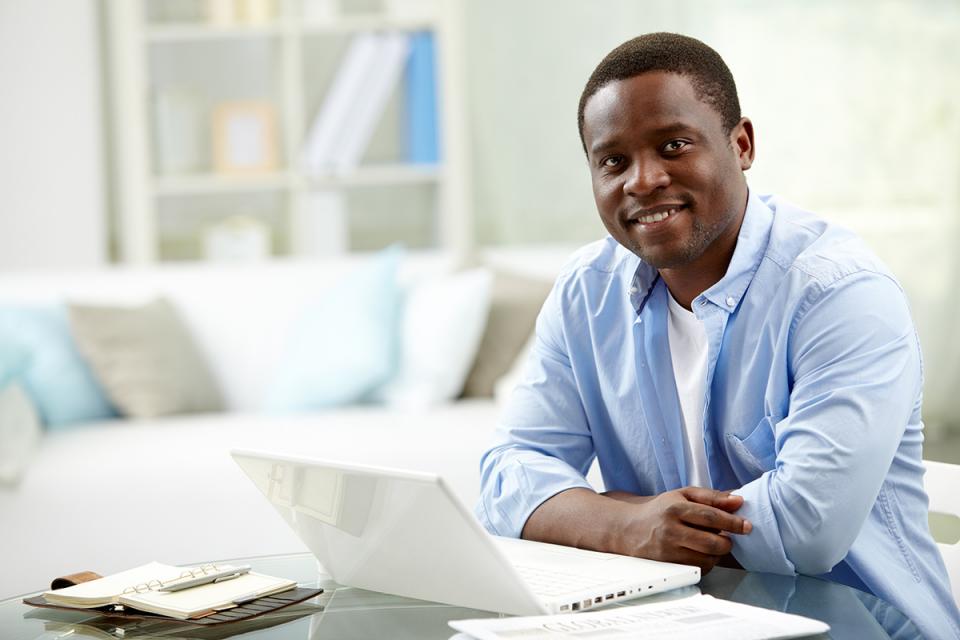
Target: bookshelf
{"x":212,"y":105}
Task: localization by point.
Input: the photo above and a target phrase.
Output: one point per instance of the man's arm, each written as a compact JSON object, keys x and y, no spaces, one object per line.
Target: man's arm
{"x":533,"y":479}
{"x":689,"y":525}
{"x":855,"y":363}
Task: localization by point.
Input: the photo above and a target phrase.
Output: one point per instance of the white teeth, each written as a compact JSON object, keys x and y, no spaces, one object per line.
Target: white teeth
{"x":656,"y":217}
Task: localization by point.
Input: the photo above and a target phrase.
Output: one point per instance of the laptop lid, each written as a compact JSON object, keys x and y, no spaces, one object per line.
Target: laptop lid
{"x":389,"y":530}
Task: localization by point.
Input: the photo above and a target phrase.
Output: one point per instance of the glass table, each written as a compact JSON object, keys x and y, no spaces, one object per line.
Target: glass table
{"x":344,"y":613}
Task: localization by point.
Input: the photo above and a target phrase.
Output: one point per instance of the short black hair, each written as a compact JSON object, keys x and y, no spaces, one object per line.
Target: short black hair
{"x":674,"y":53}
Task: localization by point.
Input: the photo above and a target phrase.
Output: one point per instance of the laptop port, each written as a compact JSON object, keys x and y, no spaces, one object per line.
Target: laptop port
{"x":576,"y":606}
{"x":609,"y":596}
{"x":598,"y":600}
{"x":587,"y":603}
{"x":620,"y":594}
{"x":564,"y":607}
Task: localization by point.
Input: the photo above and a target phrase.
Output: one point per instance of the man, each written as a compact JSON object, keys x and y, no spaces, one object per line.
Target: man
{"x":747,"y":375}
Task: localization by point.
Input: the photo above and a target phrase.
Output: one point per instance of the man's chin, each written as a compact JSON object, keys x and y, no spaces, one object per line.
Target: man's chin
{"x":662,"y":257}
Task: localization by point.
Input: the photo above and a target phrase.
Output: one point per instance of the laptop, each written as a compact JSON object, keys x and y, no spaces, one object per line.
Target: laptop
{"x":406,"y":533}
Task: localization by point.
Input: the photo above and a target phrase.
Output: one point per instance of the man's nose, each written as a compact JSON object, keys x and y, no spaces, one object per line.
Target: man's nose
{"x":645,"y":176}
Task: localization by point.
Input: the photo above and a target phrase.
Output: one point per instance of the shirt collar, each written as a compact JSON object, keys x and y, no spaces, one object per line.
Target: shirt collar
{"x":728,"y":291}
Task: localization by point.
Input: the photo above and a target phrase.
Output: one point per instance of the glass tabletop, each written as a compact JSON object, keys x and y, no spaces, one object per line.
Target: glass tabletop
{"x":344,"y":613}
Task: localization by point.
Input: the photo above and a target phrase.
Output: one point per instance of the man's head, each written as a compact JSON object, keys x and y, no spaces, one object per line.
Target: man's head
{"x":660,"y":123}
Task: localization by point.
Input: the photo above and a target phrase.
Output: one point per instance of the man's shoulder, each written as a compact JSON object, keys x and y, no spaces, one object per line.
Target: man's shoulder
{"x":817,"y":249}
{"x":605,"y":257}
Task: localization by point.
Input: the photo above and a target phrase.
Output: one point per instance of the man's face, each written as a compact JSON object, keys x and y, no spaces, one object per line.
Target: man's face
{"x":667,"y":180}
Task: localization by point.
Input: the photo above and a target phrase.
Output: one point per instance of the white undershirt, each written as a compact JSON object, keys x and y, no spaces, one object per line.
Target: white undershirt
{"x":688,"y":350}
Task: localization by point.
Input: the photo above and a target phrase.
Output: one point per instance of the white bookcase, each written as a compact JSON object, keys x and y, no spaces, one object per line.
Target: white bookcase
{"x":169,"y":186}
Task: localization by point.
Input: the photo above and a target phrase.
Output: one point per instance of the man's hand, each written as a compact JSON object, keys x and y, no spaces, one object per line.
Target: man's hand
{"x":690,"y":525}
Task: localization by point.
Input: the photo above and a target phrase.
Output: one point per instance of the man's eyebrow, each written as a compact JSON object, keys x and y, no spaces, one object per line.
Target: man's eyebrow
{"x":671,"y":128}
{"x":602,"y":146}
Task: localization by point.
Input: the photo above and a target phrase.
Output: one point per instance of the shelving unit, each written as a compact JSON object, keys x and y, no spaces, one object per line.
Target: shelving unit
{"x":285,"y":64}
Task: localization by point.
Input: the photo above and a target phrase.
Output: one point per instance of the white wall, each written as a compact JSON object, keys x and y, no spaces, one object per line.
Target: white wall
{"x":52,"y":204}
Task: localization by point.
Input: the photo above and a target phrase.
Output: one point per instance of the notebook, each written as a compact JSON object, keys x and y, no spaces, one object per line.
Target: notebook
{"x":406,"y":533}
{"x":139,"y":588}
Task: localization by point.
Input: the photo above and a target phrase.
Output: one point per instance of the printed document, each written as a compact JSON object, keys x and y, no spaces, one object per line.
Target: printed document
{"x":692,"y":618}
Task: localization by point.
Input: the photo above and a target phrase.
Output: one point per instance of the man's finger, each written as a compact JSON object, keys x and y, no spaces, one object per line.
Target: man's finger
{"x":719,"y":499}
{"x":705,"y":542}
{"x":708,"y":517}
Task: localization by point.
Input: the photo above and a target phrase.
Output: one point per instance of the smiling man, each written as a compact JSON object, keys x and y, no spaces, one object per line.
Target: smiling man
{"x":747,"y":375}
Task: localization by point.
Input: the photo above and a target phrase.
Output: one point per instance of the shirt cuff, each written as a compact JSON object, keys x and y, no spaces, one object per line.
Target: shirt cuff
{"x":762,"y":548}
{"x":522,"y":486}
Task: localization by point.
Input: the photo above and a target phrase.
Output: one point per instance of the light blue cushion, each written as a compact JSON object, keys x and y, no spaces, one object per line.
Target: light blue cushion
{"x":345,"y":344}
{"x":37,"y":350}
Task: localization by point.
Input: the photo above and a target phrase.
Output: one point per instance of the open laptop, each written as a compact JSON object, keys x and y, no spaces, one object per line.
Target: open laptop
{"x":406,"y":533}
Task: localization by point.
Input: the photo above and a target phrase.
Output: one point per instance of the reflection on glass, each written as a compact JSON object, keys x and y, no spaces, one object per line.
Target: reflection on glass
{"x":849,"y":612}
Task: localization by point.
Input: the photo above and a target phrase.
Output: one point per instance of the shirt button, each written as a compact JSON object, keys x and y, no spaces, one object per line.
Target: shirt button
{"x":730,"y":301}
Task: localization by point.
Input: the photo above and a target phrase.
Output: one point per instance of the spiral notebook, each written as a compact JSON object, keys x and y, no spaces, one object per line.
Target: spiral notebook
{"x":139,"y":589}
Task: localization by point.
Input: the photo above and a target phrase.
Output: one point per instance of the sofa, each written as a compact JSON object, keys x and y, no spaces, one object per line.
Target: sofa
{"x":106,"y":495}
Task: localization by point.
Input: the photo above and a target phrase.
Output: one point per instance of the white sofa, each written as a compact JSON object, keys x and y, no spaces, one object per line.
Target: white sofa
{"x":116,"y":494}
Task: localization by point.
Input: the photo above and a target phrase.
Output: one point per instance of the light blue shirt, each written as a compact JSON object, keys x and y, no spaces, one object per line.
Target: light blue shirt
{"x":812,"y":407}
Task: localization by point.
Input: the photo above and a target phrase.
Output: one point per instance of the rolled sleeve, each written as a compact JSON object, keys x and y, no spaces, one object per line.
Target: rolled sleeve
{"x":543,"y":444}
{"x":856,"y":366}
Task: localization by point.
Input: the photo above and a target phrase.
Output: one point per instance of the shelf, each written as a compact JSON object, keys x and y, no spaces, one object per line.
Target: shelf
{"x":364,"y":176}
{"x":375,"y":175}
{"x":201,"y":32}
{"x":372,"y":22}
{"x":211,"y":183}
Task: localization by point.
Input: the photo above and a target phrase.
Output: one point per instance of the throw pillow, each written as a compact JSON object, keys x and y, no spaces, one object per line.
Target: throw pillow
{"x":38,"y":353}
{"x":145,"y":358}
{"x":345,"y":344}
{"x":19,"y":432}
{"x":513,"y":313}
{"x":443,"y":321}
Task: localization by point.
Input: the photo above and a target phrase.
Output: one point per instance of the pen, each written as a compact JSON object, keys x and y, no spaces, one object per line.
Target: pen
{"x":221,"y":576}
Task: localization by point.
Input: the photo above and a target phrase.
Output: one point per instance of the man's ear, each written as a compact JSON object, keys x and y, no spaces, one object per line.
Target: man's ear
{"x":741,"y":139}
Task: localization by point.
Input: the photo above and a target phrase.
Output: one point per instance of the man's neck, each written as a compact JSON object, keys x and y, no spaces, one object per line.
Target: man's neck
{"x":690,"y":280}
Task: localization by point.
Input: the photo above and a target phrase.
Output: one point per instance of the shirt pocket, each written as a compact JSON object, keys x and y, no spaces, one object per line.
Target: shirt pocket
{"x":756,"y":452}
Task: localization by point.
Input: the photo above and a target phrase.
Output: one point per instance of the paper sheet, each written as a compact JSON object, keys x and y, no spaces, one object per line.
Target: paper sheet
{"x":693,"y":618}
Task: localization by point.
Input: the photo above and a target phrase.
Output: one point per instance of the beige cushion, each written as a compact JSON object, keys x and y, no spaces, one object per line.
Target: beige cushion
{"x":516,"y":301}
{"x":145,"y":359}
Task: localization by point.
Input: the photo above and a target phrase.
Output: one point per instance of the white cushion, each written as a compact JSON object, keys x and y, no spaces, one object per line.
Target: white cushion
{"x":19,"y":432}
{"x":443,"y":321}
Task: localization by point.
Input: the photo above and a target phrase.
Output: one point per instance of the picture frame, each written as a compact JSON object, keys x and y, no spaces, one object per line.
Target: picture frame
{"x":244,"y":138}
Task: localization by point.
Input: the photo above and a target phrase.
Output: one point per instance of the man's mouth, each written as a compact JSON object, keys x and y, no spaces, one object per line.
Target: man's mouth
{"x":656,"y":214}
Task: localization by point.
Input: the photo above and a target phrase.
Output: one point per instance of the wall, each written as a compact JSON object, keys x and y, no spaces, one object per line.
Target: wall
{"x":855,"y":103}
{"x":51,"y":158}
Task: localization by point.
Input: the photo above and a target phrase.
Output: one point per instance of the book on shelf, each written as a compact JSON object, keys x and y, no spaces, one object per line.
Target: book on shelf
{"x":140,"y":588}
{"x":422,"y":136}
{"x":358,"y":95}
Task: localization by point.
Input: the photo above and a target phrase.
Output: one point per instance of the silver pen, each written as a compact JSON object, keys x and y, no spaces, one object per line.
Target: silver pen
{"x":223,"y":575}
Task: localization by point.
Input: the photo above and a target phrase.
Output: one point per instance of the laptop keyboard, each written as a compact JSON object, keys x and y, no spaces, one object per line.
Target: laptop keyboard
{"x":546,"y":582}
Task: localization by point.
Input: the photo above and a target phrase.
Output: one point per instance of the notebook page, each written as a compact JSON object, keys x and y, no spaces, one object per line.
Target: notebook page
{"x":105,"y":590}
{"x":218,"y":595}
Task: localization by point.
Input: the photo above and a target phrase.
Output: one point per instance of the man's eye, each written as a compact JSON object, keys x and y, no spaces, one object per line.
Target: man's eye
{"x":674,"y":145}
{"x":610,"y":162}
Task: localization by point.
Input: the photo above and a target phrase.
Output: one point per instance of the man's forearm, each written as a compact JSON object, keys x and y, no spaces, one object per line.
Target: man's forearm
{"x":578,"y":518}
{"x":690,"y":525}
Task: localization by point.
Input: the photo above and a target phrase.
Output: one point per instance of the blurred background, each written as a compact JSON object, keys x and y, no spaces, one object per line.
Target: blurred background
{"x":155,"y":131}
